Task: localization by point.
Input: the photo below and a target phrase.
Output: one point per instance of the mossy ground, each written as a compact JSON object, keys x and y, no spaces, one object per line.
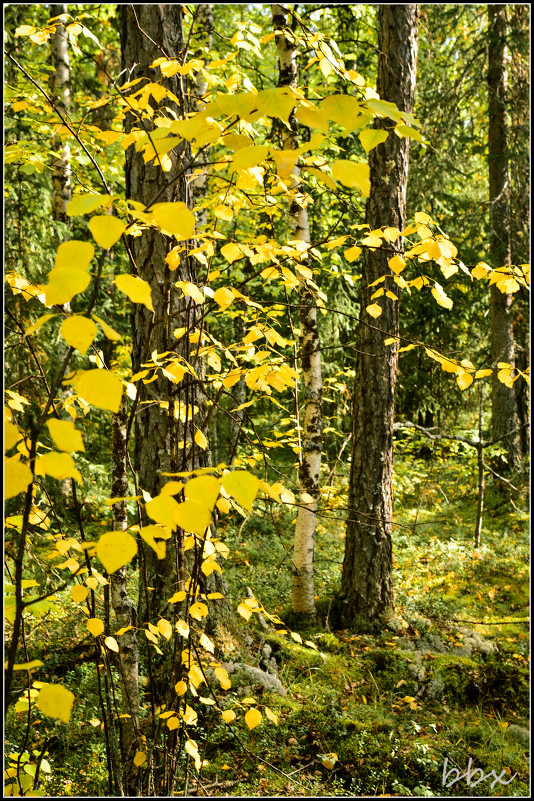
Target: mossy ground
{"x":448,"y":681}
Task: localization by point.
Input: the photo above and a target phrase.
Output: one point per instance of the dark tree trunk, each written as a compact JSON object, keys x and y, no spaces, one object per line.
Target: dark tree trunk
{"x":504,"y":417}
{"x":366,"y":598}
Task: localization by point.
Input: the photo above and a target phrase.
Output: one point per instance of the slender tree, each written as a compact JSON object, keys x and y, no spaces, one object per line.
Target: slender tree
{"x":504,"y":417}
{"x":60,"y":90}
{"x":366,"y":597}
{"x":310,"y":353}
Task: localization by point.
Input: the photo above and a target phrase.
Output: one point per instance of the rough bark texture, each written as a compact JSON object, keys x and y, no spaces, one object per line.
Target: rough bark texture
{"x":504,"y":417}
{"x":366,"y":598}
{"x":60,"y":90}
{"x":125,"y":609}
{"x":311,"y":433}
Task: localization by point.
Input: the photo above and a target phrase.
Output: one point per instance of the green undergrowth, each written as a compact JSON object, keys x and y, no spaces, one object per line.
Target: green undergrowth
{"x":402,"y":713}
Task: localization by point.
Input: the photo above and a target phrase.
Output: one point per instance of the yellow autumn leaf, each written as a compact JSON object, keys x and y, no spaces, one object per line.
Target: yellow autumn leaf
{"x":206,"y":643}
{"x":253,"y":718}
{"x":223,"y":678}
{"x":182,"y":628}
{"x":33,"y":665}
{"x":65,"y":436}
{"x":464,"y":380}
{"x":112,"y":644}
{"x":352,"y":253}
{"x":100,"y":388}
{"x":271,"y":715}
{"x":250,"y":156}
{"x":38,"y":323}
{"x":95,"y":626}
{"x":203,"y":490}
{"x":106,"y":230}
{"x":374,"y":310}
{"x":242,"y":486}
{"x":115,"y":549}
{"x":63,"y":284}
{"x":192,"y":516}
{"x":244,"y":611}
{"x":85,"y":204}
{"x":109,"y":332}
{"x":440,"y":296}
{"x":165,"y":628}
{"x":192,"y":749}
{"x":174,"y":219}
{"x":79,"y":593}
{"x":397,"y":264}
{"x":139,"y":759}
{"x":149,"y":533}
{"x":192,"y":290}
{"x":352,"y":174}
{"x":136,"y":289}
{"x":173,"y":723}
{"x":231,"y":252}
{"x":57,"y":465}
{"x":55,"y":701}
{"x":74,"y":255}
{"x":371,"y":137}
{"x":17,"y":477}
{"x":201,"y":440}
{"x":162,"y":509}
{"x":224,"y":297}
{"x":228,"y":715}
{"x":78,"y":332}
{"x":483,"y":373}
{"x":198,"y":610}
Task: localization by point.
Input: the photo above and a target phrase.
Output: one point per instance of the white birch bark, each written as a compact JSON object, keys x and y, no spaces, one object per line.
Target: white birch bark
{"x":60,"y":89}
{"x":309,"y":345}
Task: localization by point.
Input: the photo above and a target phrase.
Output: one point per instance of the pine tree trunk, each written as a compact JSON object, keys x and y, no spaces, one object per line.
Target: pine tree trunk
{"x":504,"y":416}
{"x":310,"y":353}
{"x":366,"y":598}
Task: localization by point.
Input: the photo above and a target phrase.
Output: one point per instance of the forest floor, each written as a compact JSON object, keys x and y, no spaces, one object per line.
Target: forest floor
{"x":436,"y":705}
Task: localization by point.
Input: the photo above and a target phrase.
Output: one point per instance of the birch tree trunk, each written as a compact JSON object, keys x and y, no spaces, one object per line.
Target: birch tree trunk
{"x":504,"y":416}
{"x":366,"y":597}
{"x":60,"y":90}
{"x":311,"y":435}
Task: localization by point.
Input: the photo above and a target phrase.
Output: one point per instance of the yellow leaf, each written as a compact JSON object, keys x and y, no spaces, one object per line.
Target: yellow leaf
{"x":397,"y":264}
{"x":100,"y":388}
{"x":441,"y":297}
{"x":224,"y":297}
{"x":329,"y":760}
{"x":115,"y":549}
{"x":38,"y":323}
{"x":231,"y":252}
{"x":192,"y":516}
{"x":139,"y":759}
{"x":372,"y":137}
{"x":174,"y":219}
{"x":57,"y":465}
{"x":253,"y":718}
{"x":95,"y":626}
{"x":63,"y":284}
{"x":228,"y":715}
{"x":92,"y":583}
{"x":17,"y":477}
{"x":109,"y":332}
{"x":351,"y":174}
{"x":136,"y":289}
{"x":149,"y":534}
{"x":66,"y":437}
{"x":201,"y":440}
{"x":78,"y":332}
{"x":222,"y":676}
{"x":198,"y":610}
{"x":206,"y":643}
{"x":481,"y":270}
{"x":180,"y":688}
{"x":162,"y":509}
{"x":84,"y":204}
{"x":192,"y":291}
{"x":312,"y":117}
{"x":374,"y":310}
{"x":343,"y":109}
{"x":173,"y":723}
{"x":178,"y":597}
{"x":243,"y":486}
{"x":464,"y":380}
{"x":250,"y":156}
{"x":55,"y":701}
{"x":271,"y":716}
{"x":33,"y":665}
{"x":483,"y":373}
{"x":192,"y":749}
{"x":165,"y":628}
{"x":106,"y":230}
{"x":203,"y":490}
{"x":352,"y":253}
{"x":244,"y":611}
{"x":404,"y":130}
{"x":112,"y":644}
{"x":79,"y":593}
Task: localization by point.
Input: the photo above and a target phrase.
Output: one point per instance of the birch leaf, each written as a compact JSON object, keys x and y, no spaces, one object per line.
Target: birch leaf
{"x":192,"y":516}
{"x":65,"y":436}
{"x":17,"y":477}
{"x":372,"y":137}
{"x":106,"y":230}
{"x":115,"y":549}
{"x":55,"y":701}
{"x":136,"y":289}
{"x":100,"y":388}
{"x":253,"y":718}
{"x":95,"y":626}
{"x":78,"y":332}
{"x":353,"y":175}
{"x":174,"y":219}
{"x":243,"y":486}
